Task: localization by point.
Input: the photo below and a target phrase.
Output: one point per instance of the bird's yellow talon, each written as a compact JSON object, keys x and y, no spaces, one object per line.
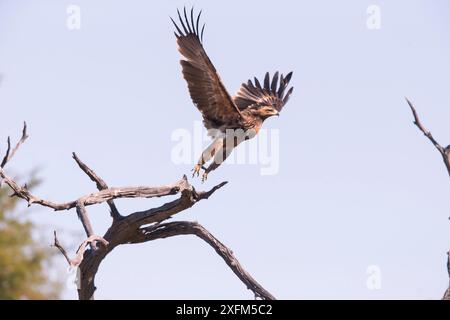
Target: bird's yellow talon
{"x":204,"y":176}
{"x":196,"y":170}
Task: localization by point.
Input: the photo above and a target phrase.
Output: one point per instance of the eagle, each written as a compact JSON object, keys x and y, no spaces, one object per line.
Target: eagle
{"x":229,"y":120}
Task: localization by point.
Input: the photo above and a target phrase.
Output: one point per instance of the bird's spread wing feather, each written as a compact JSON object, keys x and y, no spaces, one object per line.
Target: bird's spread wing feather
{"x":271,"y":94}
{"x":205,"y":87}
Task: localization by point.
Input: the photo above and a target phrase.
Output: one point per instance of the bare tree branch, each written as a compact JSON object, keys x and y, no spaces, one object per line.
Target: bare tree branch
{"x":445,"y":153}
{"x":8,"y":150}
{"x":81,"y":249}
{"x":447,"y":292}
{"x":101,"y":185}
{"x":9,"y":154}
{"x":188,"y":198}
{"x":93,"y":198}
{"x":137,"y":227}
{"x":83,"y":216}
{"x":207,"y":194}
{"x":61,"y":248}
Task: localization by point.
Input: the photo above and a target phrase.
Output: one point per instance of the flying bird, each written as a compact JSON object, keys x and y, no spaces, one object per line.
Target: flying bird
{"x":229,"y":120}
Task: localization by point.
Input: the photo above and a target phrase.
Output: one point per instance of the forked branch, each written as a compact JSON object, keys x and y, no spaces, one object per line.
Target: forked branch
{"x":445,"y":153}
{"x":75,"y":262}
{"x":141,"y":226}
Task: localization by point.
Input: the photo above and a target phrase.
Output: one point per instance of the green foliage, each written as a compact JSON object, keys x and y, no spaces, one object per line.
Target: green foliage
{"x":24,"y":261}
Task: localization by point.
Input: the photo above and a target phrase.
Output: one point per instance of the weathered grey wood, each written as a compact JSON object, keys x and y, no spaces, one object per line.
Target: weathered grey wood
{"x":445,"y":153}
{"x":9,"y":154}
{"x":132,"y":228}
{"x":93,"y":198}
{"x":82,"y":215}
{"x":101,"y":185}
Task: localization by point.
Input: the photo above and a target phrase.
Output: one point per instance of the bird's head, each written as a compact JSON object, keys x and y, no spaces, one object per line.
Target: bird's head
{"x":265,"y":112}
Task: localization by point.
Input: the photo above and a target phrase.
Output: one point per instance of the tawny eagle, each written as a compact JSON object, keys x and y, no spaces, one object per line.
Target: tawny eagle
{"x":229,"y":120}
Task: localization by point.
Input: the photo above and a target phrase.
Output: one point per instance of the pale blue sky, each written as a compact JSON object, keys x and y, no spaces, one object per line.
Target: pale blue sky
{"x":358,"y":184}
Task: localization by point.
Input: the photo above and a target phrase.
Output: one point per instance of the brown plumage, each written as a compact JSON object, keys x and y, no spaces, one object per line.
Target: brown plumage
{"x":229,"y":120}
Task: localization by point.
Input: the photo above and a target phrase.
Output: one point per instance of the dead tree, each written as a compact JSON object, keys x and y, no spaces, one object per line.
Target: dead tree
{"x":445,"y":153}
{"x":136,"y":227}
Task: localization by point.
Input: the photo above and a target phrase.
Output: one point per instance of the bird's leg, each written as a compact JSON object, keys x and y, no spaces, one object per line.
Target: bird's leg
{"x":196,"y":169}
{"x":208,"y":170}
{"x":207,"y":154}
{"x":220,"y":157}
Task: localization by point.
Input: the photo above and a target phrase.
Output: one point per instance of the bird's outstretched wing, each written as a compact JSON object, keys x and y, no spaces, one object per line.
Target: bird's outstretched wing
{"x":205,"y":87}
{"x":271,"y":94}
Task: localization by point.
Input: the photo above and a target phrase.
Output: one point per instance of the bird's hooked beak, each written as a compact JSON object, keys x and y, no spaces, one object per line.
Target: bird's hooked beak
{"x":273,"y":112}
{"x":266,"y":112}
